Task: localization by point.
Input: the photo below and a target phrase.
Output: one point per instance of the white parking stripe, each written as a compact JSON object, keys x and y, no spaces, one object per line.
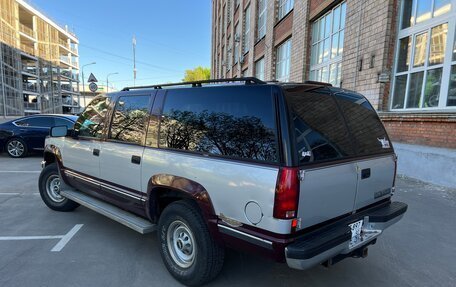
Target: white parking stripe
{"x":20,"y":171}
{"x":65,"y":239}
{"x":5,"y":238}
{"x":10,"y":193}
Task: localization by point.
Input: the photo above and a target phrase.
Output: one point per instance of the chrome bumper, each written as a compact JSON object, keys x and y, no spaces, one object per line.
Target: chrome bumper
{"x":299,"y":257}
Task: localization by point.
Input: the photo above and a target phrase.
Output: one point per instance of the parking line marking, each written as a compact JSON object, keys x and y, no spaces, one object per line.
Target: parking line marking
{"x":5,"y":238}
{"x":20,"y":171}
{"x":66,"y":238}
{"x":10,"y":193}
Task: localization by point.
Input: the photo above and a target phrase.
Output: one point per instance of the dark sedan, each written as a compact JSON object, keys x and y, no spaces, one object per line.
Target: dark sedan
{"x":21,"y":136}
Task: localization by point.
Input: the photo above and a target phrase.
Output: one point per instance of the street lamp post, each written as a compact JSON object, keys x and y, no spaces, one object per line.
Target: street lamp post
{"x":83,"y":81}
{"x":107,"y":80}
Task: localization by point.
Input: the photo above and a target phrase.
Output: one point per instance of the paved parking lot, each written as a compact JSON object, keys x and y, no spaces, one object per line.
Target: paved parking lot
{"x":418,"y":251}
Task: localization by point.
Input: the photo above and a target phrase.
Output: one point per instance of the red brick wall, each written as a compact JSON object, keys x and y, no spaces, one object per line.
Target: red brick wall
{"x":438,"y":130}
{"x":318,"y":6}
{"x":283,"y":29}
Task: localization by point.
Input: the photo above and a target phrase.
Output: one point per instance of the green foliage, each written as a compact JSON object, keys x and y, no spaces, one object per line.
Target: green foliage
{"x":197,"y":74}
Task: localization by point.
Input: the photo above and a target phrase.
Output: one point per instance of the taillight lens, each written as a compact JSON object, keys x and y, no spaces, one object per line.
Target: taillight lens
{"x":287,"y":193}
{"x":395,"y":174}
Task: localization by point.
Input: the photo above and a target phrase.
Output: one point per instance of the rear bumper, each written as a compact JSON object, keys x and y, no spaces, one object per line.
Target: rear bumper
{"x":333,"y":240}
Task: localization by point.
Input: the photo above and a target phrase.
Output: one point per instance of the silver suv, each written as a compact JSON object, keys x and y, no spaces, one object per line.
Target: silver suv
{"x":300,"y":172}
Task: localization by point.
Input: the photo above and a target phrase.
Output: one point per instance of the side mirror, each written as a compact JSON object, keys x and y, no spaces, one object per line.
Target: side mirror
{"x":59,"y":131}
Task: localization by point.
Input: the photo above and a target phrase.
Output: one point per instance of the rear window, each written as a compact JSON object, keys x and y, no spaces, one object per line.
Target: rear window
{"x":364,"y":125}
{"x":236,"y":122}
{"x":319,"y":129}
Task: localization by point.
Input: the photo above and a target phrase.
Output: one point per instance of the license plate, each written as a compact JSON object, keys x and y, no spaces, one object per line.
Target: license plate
{"x":355,"y":232}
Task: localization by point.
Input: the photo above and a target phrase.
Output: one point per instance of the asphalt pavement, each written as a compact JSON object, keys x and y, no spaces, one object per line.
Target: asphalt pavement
{"x":41,"y":247}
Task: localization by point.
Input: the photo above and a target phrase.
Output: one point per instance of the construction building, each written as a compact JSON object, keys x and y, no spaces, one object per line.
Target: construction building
{"x":400,"y":54}
{"x":39,"y":68}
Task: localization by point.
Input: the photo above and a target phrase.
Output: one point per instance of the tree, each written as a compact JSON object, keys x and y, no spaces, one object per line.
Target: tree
{"x":197,"y":74}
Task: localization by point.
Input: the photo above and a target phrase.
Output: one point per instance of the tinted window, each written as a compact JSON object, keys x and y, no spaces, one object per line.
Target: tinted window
{"x":364,"y":125}
{"x":319,"y":129}
{"x":45,"y":122}
{"x":129,"y":119}
{"x":91,"y":121}
{"x":64,"y":122}
{"x":233,"y":121}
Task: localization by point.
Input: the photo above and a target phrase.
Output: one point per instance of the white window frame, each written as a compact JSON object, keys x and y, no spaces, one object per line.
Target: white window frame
{"x":261,"y":31}
{"x":412,"y":31}
{"x":337,"y":60}
{"x":286,"y":60}
{"x":285,"y":6}
{"x":246,"y":30}
{"x":259,"y":73}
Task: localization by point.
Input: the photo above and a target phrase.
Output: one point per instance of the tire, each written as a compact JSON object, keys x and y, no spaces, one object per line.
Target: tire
{"x":16,"y":148}
{"x":189,"y":252}
{"x":49,"y":186}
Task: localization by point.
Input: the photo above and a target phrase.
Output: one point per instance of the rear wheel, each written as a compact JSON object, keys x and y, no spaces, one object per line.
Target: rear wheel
{"x":49,"y":185}
{"x":187,"y":249}
{"x":16,"y":148}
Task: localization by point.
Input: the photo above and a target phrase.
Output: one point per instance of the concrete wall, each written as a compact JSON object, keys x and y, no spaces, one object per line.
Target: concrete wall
{"x":429,"y":164}
{"x":7,"y":119}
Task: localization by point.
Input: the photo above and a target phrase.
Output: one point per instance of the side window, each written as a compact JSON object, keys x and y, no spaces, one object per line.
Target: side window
{"x":237,"y":122}
{"x":91,"y":122}
{"x":319,"y":129}
{"x":22,"y":123}
{"x":363,"y":123}
{"x":129,"y":119}
{"x":64,"y":122}
{"x":43,"y":122}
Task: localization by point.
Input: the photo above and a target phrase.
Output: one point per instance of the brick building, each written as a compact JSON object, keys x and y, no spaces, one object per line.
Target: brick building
{"x":401,"y":54}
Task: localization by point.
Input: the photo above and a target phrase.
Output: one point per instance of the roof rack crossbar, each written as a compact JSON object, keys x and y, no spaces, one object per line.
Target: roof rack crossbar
{"x":247,"y":80}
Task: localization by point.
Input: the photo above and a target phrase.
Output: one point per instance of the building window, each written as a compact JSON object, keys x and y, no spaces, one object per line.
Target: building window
{"x":283,"y":62}
{"x":285,"y":6}
{"x":229,"y":55}
{"x":259,"y":69}
{"x":246,"y":30}
{"x":417,"y":11}
{"x":424,"y":73}
{"x":246,"y":72}
{"x":237,"y":39}
{"x":328,"y":45}
{"x":262,"y":14}
{"x":228,"y":11}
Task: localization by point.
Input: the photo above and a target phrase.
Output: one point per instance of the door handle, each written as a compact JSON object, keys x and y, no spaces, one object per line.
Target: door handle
{"x":135,"y":159}
{"x":365,"y":173}
{"x":96,"y":152}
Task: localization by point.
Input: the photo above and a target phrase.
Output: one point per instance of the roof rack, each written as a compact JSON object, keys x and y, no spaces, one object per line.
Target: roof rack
{"x":247,"y":80}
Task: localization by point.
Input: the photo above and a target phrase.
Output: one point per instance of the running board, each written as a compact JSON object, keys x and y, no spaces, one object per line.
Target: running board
{"x":126,"y":218}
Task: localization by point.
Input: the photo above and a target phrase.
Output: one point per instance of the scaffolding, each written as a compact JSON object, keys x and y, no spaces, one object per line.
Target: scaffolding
{"x":39,"y":67}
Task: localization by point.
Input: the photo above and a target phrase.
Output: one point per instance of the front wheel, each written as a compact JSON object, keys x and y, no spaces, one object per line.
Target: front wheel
{"x":49,"y":186}
{"x":187,"y":249}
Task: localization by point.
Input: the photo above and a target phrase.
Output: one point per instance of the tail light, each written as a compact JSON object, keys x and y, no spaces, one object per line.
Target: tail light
{"x":393,"y":188}
{"x":287,"y":193}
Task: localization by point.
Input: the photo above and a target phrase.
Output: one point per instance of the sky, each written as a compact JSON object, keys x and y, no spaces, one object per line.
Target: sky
{"x":171,"y":37}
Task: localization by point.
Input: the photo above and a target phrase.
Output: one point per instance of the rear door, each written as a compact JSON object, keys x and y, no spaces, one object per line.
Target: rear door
{"x":328,"y":187}
{"x":376,"y":174}
{"x":121,"y":154}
